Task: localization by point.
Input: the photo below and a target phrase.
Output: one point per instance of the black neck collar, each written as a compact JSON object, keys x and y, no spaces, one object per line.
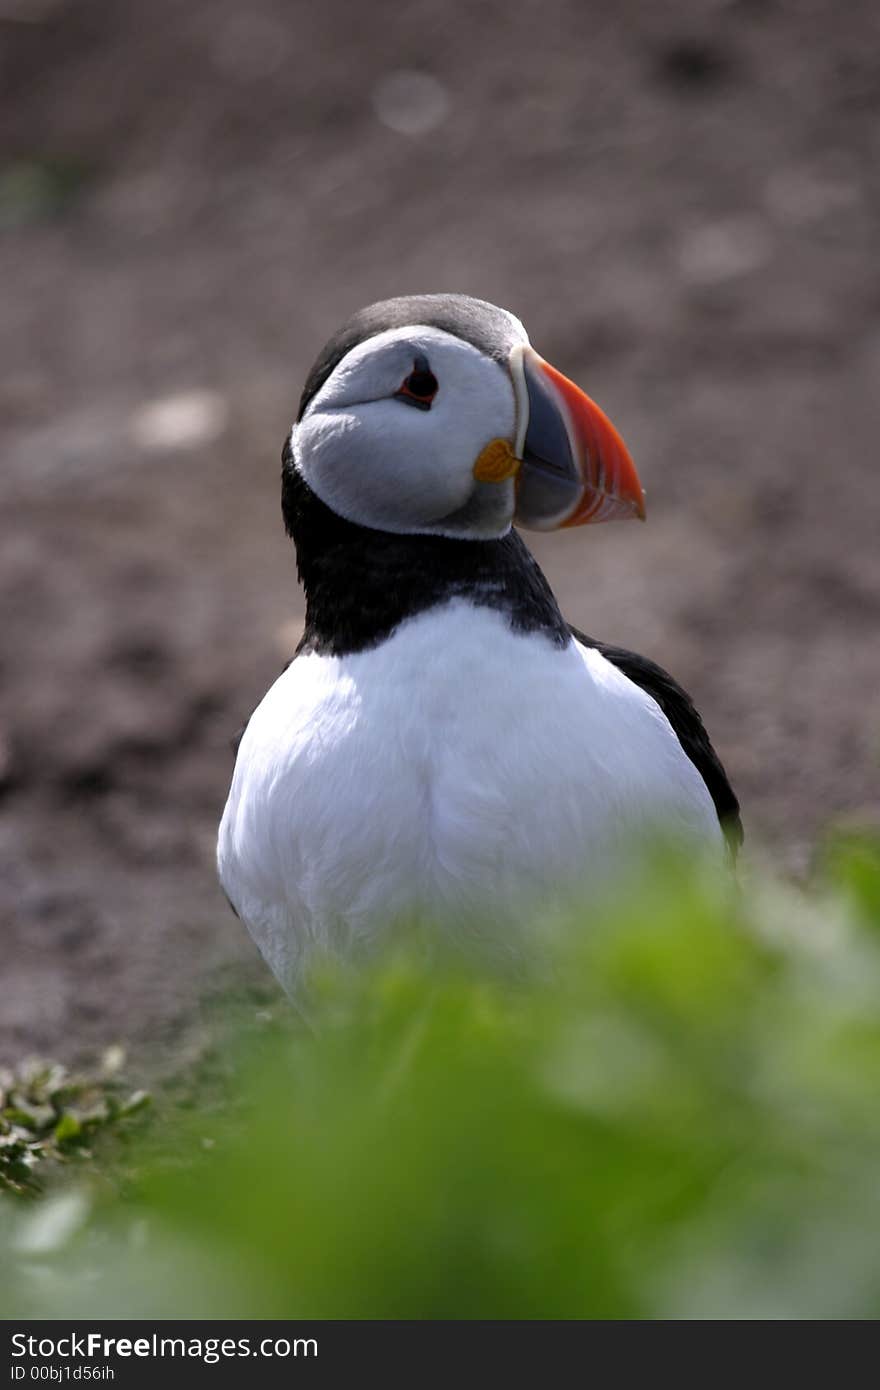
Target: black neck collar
{"x":361,"y":584}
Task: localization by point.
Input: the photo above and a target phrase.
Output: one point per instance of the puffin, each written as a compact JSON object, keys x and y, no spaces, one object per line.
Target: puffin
{"x":445,"y":748}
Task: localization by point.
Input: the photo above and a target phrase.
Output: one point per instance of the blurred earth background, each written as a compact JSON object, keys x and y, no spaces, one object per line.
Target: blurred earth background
{"x":681,"y":203}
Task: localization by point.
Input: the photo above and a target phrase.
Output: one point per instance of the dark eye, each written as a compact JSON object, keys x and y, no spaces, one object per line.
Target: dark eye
{"x":420,"y":387}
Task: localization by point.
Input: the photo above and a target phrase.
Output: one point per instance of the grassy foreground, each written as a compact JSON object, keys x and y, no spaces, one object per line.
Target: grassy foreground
{"x":675,"y":1111}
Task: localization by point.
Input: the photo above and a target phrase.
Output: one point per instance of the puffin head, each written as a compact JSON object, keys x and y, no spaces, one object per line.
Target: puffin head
{"x":433,"y":415}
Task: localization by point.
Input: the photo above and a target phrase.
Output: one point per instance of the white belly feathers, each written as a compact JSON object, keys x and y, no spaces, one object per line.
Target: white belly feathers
{"x":455,"y":771}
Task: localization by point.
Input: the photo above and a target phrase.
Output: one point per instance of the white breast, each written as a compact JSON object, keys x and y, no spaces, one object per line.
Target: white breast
{"x":458,"y":771}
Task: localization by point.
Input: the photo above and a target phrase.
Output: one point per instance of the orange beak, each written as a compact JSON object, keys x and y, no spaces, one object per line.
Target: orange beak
{"x":575,"y":466}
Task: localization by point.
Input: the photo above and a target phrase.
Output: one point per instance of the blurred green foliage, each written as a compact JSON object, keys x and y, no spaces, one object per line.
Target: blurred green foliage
{"x":672,"y":1111}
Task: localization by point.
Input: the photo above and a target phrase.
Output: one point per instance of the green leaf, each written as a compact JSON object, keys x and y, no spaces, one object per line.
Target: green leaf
{"x":68,"y":1128}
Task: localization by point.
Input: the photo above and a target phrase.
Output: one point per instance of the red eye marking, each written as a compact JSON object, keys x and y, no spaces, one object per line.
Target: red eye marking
{"x":420,"y":387}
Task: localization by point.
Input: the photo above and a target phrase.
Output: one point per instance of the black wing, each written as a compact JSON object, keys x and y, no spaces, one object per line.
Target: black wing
{"x":679,"y":709}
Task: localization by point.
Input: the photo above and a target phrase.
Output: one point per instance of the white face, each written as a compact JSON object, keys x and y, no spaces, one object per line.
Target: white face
{"x":380,"y":460}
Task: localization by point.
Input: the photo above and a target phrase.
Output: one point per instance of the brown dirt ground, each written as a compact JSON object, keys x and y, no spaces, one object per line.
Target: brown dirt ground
{"x":681,"y":201}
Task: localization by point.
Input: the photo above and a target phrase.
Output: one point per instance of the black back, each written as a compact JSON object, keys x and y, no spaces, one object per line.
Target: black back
{"x":681,"y":712}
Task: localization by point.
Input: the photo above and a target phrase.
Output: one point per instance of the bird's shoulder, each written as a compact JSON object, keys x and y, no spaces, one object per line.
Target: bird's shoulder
{"x":235,"y":741}
{"x":686,"y":723}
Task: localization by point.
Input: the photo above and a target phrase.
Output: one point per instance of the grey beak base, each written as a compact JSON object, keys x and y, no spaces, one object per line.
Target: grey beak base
{"x":549,"y":485}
